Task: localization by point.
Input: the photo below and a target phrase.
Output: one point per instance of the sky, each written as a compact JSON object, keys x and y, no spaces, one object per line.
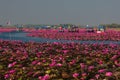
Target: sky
{"x":79,"y":12}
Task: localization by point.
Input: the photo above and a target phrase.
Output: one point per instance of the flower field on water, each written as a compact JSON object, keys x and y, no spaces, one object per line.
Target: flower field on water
{"x":7,"y":29}
{"x":111,"y":35}
{"x":59,"y":61}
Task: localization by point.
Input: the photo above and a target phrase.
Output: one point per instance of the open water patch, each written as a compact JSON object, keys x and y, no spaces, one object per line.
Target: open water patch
{"x":22,"y":36}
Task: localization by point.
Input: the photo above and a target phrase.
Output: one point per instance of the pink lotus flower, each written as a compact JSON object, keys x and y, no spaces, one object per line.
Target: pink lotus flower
{"x":82,"y":65}
{"x":34,"y":62}
{"x":38,"y":54}
{"x":118,"y":53}
{"x":100,"y":62}
{"x":6,"y":76}
{"x":52,"y":64}
{"x":97,"y":76}
{"x":44,"y":60}
{"x":12,"y":71}
{"x":65,"y":51}
{"x":84,"y":74}
{"x":108,"y":74}
{"x":59,"y":64}
{"x":56,"y":43}
{"x":114,"y":57}
{"x":101,"y":70}
{"x":46,"y":77}
{"x":75,"y":75}
{"x":40,"y":77}
{"x":39,"y":63}
{"x":72,"y":62}
{"x":90,"y":68}
{"x":30,"y":73}
{"x":117,"y":63}
{"x":12,"y":64}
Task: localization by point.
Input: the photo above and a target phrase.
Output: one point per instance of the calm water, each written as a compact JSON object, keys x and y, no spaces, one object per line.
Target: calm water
{"x":22,"y":36}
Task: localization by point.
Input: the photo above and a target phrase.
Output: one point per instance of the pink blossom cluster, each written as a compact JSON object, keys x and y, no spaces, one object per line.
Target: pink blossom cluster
{"x":81,"y":35}
{"x":7,"y":29}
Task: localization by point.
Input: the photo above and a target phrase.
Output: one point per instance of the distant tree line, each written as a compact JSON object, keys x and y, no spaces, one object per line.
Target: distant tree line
{"x":113,"y":25}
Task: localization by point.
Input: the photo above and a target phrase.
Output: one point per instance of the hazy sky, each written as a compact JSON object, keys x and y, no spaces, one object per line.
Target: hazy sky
{"x":91,"y":12}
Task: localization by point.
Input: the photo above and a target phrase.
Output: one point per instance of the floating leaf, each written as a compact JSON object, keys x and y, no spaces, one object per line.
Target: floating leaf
{"x":48,"y":71}
{"x":1,"y":67}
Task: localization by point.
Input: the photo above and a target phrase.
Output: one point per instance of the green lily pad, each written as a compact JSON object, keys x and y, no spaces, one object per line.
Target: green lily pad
{"x":1,"y":67}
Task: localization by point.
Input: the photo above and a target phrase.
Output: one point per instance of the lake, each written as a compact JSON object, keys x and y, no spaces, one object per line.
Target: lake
{"x":15,"y":35}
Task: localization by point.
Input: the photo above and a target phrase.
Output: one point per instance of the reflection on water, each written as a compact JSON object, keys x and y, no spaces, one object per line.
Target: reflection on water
{"x":22,"y":37}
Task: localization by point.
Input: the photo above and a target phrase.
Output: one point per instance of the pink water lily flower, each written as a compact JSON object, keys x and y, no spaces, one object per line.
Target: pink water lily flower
{"x":59,"y":64}
{"x":114,"y":57}
{"x":101,"y":70}
{"x":12,"y":64}
{"x":90,"y":68}
{"x":40,"y":77}
{"x":34,"y":62}
{"x":82,"y":65}
{"x":12,"y":71}
{"x":108,"y":74}
{"x":46,"y":77}
{"x":6,"y":76}
{"x":75,"y":75}
{"x":97,"y":76}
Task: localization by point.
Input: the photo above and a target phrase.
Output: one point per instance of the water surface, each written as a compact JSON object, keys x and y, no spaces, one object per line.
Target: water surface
{"x":15,"y":35}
